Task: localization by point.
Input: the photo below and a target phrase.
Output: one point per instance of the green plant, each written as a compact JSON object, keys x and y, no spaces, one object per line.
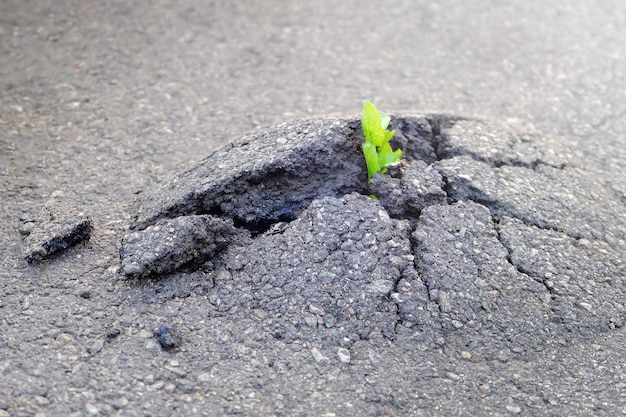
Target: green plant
{"x":376,"y":149}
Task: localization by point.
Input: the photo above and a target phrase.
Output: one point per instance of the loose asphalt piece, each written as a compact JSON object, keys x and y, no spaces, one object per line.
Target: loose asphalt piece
{"x":488,"y":279}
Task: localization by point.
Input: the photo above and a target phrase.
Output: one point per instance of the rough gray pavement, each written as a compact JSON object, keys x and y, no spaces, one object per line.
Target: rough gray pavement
{"x":103,"y":102}
{"x":498,"y":250}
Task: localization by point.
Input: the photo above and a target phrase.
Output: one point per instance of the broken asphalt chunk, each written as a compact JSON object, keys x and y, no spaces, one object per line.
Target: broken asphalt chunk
{"x":49,"y":237}
{"x":171,"y":243}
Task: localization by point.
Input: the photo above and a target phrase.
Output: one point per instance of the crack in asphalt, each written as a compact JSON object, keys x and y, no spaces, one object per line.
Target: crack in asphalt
{"x":267,"y":222}
{"x":496,"y":210}
{"x":520,"y":269}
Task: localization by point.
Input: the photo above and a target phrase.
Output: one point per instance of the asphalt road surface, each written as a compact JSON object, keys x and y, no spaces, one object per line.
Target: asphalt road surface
{"x":103,"y":103}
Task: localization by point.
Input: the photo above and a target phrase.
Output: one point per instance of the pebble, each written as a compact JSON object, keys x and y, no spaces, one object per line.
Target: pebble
{"x":403,"y":330}
{"x":119,"y":403}
{"x":316,"y":310}
{"x":157,"y":385}
{"x":204,"y":377}
{"x":96,"y":346}
{"x":41,"y":400}
{"x":310,"y":320}
{"x":515,"y":409}
{"x":168,"y":337}
{"x":319,"y":357}
{"x":177,"y":371}
{"x":91,"y":409}
{"x":382,"y":286}
{"x":329,"y":320}
{"x":344,"y":355}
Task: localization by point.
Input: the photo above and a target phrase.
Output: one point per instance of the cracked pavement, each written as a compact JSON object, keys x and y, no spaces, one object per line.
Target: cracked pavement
{"x":496,"y":235}
{"x":494,"y":256}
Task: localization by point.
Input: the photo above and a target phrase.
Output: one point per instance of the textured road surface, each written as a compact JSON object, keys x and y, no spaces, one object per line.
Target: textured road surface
{"x":101,"y":101}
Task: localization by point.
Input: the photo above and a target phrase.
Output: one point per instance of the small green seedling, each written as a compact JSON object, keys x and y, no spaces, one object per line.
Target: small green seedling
{"x":376,"y":149}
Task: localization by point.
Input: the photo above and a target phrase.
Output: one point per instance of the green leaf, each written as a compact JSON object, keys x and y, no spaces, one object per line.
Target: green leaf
{"x":372,"y":125}
{"x":384,"y":119}
{"x":389,"y":135}
{"x":376,"y":149}
{"x":371,"y":159}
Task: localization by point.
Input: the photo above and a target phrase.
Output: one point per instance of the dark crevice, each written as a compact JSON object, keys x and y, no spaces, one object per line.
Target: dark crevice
{"x":214,"y":210}
{"x":416,"y":265}
{"x":427,"y":285}
{"x":499,"y":163}
{"x":447,"y":187}
{"x":520,"y":269}
{"x":439,"y":124}
{"x":261,"y":226}
{"x":497,"y":211}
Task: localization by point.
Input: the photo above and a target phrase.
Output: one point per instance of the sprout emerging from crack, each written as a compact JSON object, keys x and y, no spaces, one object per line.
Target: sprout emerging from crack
{"x":376,"y":149}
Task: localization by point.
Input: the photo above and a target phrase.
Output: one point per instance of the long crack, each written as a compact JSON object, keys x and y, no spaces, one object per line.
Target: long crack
{"x":520,"y":269}
{"x":496,"y":210}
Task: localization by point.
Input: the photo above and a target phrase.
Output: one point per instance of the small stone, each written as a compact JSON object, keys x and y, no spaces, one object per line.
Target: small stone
{"x":384,"y":216}
{"x":382,"y":286}
{"x":177,"y":371}
{"x":346,"y":342}
{"x":457,"y":324}
{"x":91,"y":409}
{"x":515,"y":409}
{"x":27,"y":228}
{"x":344,"y":355}
{"x":466,"y":354}
{"x":204,"y":377}
{"x":119,"y":403}
{"x":329,"y":320}
{"x":310,"y":320}
{"x":326,"y":277}
{"x":403,"y":330}
{"x":97,"y":314}
{"x":157,"y":385}
{"x":316,"y":310}
{"x":41,"y":400}
{"x":319,"y":357}
{"x":168,"y":337}
{"x":95,"y":347}
{"x":64,"y":338}
{"x":132,"y":238}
